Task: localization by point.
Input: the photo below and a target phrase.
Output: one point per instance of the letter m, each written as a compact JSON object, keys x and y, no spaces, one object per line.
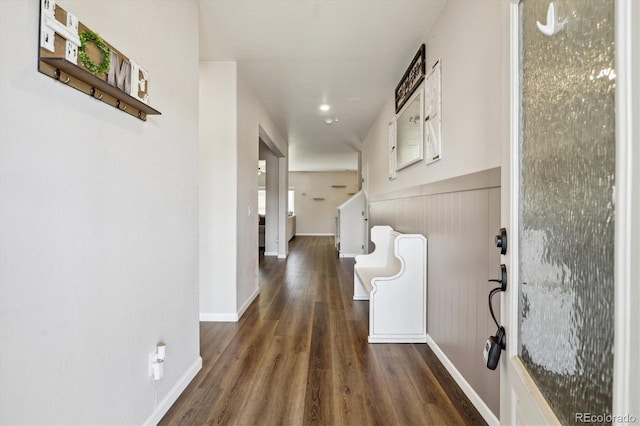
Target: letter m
{"x":119,"y":76}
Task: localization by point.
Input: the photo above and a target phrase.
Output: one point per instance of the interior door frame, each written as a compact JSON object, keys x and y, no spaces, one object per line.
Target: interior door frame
{"x":521,"y":402}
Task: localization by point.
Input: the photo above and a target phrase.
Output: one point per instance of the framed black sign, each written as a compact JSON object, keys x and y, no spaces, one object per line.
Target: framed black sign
{"x":411,"y":79}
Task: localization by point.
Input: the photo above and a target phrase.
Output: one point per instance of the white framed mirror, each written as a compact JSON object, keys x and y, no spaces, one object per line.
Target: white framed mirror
{"x":409,"y":131}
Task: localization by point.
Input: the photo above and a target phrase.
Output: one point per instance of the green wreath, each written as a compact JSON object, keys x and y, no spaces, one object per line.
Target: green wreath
{"x":105,"y":51}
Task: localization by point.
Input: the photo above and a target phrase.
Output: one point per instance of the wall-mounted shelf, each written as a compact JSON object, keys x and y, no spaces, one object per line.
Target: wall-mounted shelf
{"x":78,"y":57}
{"x":338,"y":186}
{"x":318,"y":199}
{"x":76,"y":77}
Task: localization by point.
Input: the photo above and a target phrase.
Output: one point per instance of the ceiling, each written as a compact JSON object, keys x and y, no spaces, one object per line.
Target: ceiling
{"x":298,"y":54}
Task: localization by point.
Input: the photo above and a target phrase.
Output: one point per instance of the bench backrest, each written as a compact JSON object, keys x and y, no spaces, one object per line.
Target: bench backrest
{"x":383,"y":255}
{"x":392,"y":261}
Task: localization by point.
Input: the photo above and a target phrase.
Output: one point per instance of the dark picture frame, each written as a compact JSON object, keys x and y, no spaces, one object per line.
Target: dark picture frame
{"x":413,"y":76}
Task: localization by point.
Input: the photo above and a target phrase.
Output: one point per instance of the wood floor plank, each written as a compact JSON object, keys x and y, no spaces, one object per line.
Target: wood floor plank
{"x":350,"y":410}
{"x":378,"y":405}
{"x":261,"y":401}
{"x":406,"y":402}
{"x":318,"y":407}
{"x":299,"y":355}
{"x":290,"y":401}
{"x":320,"y":356}
{"x":239,"y":379}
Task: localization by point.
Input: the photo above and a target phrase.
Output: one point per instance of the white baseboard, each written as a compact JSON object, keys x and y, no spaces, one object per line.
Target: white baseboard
{"x":282,"y":256}
{"x":350,"y":255}
{"x":248,"y":302}
{"x":473,"y":396}
{"x":270,"y":253}
{"x":165,"y":404}
{"x":407,"y":338}
{"x":314,"y":234}
{"x":231,"y":317}
{"x":208,"y":317}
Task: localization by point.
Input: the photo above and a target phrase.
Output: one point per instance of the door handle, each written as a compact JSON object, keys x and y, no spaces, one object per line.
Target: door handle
{"x":496,"y":344}
{"x":503,"y":278}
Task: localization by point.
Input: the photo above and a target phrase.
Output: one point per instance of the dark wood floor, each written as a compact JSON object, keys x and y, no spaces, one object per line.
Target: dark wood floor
{"x":299,"y":355}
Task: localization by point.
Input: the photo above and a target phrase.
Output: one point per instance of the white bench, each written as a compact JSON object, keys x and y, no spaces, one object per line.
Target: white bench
{"x":393,"y":278}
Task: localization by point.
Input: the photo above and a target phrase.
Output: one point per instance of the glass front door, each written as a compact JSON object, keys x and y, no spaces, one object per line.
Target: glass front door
{"x":566,"y":211}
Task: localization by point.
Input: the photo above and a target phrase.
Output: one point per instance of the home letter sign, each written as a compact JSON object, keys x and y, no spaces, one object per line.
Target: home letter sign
{"x":75,"y":55}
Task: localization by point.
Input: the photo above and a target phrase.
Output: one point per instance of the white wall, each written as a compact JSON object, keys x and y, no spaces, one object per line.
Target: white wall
{"x":230,"y":117}
{"x":251,"y":117}
{"x":315,"y":217}
{"x":218,"y":160}
{"x":468,"y":38}
{"x":99,"y":219}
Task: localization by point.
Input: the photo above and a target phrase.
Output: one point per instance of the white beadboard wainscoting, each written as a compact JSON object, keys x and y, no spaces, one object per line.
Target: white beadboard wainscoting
{"x":460,"y":218}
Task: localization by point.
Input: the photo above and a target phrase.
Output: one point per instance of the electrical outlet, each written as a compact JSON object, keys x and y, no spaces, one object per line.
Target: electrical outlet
{"x":156,"y":361}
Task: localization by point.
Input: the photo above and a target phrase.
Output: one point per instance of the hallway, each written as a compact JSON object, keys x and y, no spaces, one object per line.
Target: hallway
{"x":299,"y":355}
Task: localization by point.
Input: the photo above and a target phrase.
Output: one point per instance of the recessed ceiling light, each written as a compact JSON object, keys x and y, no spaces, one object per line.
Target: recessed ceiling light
{"x":325,"y":107}
{"x":329,"y":121}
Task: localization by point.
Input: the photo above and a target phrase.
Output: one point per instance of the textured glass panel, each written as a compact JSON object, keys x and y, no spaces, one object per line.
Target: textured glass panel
{"x":566,"y":216}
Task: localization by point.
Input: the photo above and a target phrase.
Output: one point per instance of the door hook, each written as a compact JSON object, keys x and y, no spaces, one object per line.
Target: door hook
{"x":553,"y":25}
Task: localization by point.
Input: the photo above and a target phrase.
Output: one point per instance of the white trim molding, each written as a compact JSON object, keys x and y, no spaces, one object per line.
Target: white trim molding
{"x":509,"y":301}
{"x":349,"y":255}
{"x":218,"y":317}
{"x":163,"y":407}
{"x":315,"y":234}
{"x":473,"y":396}
{"x":626,"y":375}
{"x":248,"y":302}
{"x":230,"y":317}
